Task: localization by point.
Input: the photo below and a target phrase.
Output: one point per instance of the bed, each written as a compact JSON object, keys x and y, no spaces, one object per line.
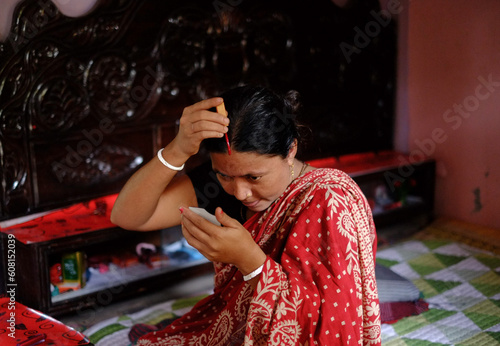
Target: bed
{"x":451,"y":278}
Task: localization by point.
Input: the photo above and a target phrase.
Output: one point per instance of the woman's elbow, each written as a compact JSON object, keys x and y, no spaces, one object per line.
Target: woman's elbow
{"x":114,"y":218}
{"x":127,"y":223}
{"x":117,"y":219}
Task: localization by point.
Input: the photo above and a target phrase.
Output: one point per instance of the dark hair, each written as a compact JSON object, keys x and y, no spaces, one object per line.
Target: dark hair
{"x":261,"y":121}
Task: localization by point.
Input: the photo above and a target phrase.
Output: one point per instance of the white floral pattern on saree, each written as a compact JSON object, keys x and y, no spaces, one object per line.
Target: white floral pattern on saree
{"x":318,"y":284}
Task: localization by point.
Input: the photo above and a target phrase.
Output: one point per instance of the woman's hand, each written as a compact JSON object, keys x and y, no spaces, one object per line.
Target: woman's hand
{"x":231,"y":243}
{"x":198,"y":123}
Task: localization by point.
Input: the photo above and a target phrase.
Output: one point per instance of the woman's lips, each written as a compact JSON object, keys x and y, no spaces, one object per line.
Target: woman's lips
{"x":251,"y":204}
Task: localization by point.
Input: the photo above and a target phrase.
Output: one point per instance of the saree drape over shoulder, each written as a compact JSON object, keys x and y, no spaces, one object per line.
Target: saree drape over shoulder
{"x":318,"y":284}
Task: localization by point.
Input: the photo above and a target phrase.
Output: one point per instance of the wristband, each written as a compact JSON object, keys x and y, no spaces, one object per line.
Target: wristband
{"x":253,"y":274}
{"x":166,"y":164}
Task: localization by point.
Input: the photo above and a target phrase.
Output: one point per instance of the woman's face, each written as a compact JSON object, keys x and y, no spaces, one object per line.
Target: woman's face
{"x":254,"y":179}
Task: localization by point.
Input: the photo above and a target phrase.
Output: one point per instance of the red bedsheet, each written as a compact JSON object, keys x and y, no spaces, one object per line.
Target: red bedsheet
{"x":23,"y":326}
{"x":75,"y":219}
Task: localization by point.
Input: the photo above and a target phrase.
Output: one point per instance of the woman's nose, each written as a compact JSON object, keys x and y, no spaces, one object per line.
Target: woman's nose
{"x":241,"y":190}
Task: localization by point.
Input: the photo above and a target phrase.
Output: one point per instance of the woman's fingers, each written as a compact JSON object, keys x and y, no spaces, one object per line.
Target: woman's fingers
{"x":197,"y":227}
{"x":204,"y":104}
{"x":200,"y":111}
{"x":206,"y":122}
{"x":225,"y":219}
{"x":200,"y":240}
{"x":191,"y":239}
{"x":198,"y":123}
{"x":203,"y":227}
{"x":223,"y":244}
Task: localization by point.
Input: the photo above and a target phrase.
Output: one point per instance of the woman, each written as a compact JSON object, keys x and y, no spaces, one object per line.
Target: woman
{"x":300,"y":270}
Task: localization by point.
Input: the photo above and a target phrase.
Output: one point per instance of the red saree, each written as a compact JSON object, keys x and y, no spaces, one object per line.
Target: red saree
{"x":318,"y":284}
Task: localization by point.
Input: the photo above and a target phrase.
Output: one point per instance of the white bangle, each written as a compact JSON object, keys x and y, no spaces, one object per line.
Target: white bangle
{"x":162,"y":160}
{"x":253,"y":274}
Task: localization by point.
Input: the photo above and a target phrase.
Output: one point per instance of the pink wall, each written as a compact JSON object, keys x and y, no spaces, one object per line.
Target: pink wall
{"x":452,"y":98}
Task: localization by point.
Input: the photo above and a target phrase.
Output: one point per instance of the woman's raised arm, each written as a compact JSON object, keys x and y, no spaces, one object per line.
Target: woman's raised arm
{"x":151,"y":197}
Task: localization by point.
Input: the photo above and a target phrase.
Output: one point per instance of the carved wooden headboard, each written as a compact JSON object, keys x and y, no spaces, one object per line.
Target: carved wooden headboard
{"x":85,"y":101}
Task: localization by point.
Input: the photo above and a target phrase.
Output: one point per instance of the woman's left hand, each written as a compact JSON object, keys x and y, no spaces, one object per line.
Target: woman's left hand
{"x":231,"y":243}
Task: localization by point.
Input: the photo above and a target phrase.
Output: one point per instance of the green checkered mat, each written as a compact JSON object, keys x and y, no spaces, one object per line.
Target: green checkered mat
{"x":114,"y":331}
{"x":461,"y":285}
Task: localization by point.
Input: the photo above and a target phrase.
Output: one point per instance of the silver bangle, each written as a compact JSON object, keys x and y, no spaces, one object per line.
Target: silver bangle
{"x":166,"y":164}
{"x":253,"y":274}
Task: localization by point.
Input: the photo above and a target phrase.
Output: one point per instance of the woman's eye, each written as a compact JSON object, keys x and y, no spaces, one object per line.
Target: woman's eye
{"x":222,"y":176}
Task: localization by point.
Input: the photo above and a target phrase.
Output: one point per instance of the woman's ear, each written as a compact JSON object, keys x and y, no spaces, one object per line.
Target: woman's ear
{"x":292,"y":152}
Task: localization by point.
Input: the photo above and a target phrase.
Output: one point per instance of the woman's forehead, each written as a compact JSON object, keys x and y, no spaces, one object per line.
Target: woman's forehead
{"x":243,"y":163}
